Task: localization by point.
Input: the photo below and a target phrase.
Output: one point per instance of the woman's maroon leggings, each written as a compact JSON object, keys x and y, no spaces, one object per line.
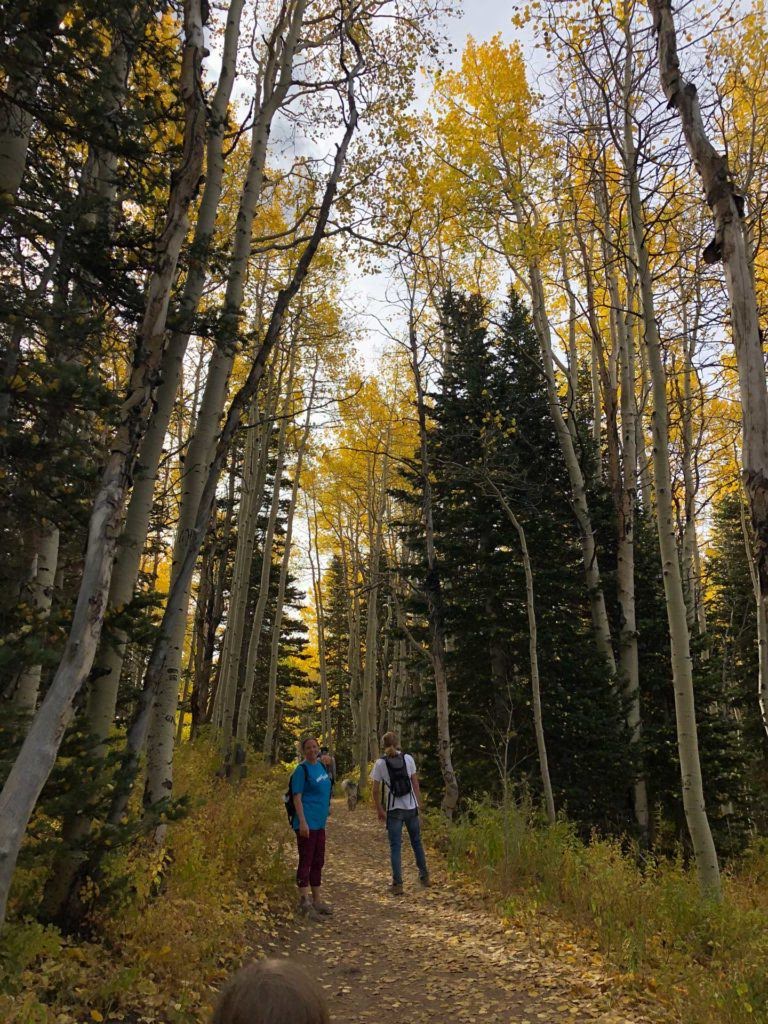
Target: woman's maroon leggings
{"x":311,"y":858}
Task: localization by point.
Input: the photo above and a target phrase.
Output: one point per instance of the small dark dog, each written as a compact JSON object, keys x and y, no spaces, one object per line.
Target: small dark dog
{"x":351,"y":789}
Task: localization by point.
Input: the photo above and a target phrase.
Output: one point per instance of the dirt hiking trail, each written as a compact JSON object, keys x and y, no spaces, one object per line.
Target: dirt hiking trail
{"x":439,"y":954}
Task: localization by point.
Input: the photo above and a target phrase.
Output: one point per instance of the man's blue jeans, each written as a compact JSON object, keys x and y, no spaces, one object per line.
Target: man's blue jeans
{"x":395,"y":821}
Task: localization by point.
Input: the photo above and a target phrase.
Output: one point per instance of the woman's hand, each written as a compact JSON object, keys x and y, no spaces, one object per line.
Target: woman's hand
{"x":304,"y":829}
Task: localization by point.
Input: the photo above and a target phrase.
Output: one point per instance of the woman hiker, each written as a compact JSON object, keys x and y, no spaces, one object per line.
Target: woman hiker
{"x":397,"y":771}
{"x":311,"y":788}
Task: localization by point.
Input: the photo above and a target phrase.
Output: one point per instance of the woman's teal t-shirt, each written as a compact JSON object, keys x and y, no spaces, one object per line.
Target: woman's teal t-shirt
{"x":315,"y":793}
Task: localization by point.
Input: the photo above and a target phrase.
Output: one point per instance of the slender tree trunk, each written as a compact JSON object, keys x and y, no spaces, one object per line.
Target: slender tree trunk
{"x":274,"y":85}
{"x":102,"y":698}
{"x":533,"y":651}
{"x":251,"y":497}
{"x":434,"y":594}
{"x":271,"y":737}
{"x":38,"y":753}
{"x":38,"y":596}
{"x":326,"y":730}
{"x":242,"y":399}
{"x":579,"y":504}
{"x":34,"y":42}
{"x":682,"y":666}
{"x":728,"y":245}
{"x":244,"y":709}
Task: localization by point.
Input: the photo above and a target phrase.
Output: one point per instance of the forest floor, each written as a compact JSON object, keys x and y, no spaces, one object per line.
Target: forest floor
{"x":443,"y":953}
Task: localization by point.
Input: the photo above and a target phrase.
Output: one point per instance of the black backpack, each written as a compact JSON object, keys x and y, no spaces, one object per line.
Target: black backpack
{"x":290,"y":808}
{"x":399,"y":779}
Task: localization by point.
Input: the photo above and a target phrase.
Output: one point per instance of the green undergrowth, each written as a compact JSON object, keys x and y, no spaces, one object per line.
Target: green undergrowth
{"x":185,"y":918}
{"x":707,"y":962}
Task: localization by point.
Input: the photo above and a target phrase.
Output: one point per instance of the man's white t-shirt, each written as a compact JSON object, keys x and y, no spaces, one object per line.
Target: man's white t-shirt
{"x":380,"y":773}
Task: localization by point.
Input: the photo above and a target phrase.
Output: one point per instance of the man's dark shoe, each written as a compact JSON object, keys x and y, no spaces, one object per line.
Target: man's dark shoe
{"x":425,"y":882}
{"x":396,"y":890}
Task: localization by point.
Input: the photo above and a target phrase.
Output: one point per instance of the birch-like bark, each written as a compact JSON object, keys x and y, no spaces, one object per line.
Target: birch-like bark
{"x":730,"y":246}
{"x":155,"y":670}
{"x":228,"y":705}
{"x":623,"y":474}
{"x":42,"y":25}
{"x":326,"y":730}
{"x":102,"y":698}
{"x":705,"y":854}
{"x":38,"y":753}
{"x":271,"y":736}
{"x":38,"y":596}
{"x":579,"y":503}
{"x":251,"y":497}
{"x":368,"y":739}
{"x":533,"y":652}
{"x":434,"y":593}
{"x":276,"y":81}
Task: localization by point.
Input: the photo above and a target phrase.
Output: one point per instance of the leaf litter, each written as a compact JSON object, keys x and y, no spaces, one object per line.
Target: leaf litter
{"x":443,"y":954}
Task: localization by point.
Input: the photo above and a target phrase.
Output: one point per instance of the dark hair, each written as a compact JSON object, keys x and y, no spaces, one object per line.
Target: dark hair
{"x":323,"y":750}
{"x":271,"y":992}
{"x":305,"y":740}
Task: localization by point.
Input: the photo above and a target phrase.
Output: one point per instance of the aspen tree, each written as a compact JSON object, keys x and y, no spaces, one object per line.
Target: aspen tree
{"x":102,"y":696}
{"x":728,"y":245}
{"x":275,"y":82}
{"x":270,"y":732}
{"x":244,"y":707}
{"x":155,"y":675}
{"x":433,"y":585}
{"x":682,"y":666}
{"x":533,"y":649}
{"x":251,"y":498}
{"x":38,"y":753}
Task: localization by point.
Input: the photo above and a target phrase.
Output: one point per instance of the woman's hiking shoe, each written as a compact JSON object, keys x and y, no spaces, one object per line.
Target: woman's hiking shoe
{"x":396,"y":890}
{"x":308,"y":910}
{"x":322,"y":908}
{"x":425,"y":882}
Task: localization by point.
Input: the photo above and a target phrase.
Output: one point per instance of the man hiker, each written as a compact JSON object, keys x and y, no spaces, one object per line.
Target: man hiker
{"x":397,"y":772}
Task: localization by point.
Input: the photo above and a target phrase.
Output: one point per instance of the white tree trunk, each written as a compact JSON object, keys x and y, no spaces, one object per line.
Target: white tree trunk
{"x":244,"y":709}
{"x":533,"y":651}
{"x":102,"y":698}
{"x":275,"y":84}
{"x":704,"y":850}
{"x":38,"y":753}
{"x":600,"y":622}
{"x":433,"y":588}
{"x":270,"y":738}
{"x":728,"y":245}
{"x":38,"y":596}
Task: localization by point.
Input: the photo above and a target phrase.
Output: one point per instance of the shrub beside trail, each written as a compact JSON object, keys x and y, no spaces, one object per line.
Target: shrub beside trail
{"x":182,"y":918}
{"x":707,"y":962}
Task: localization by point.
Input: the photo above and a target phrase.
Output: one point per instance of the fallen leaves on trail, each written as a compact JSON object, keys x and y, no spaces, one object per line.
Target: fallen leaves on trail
{"x":442,"y":954}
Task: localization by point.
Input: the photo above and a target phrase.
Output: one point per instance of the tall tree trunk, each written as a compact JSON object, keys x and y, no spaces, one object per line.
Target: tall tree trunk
{"x":533,"y":651}
{"x":38,"y":753}
{"x":32,"y":45}
{"x":251,"y":497}
{"x":434,"y":593}
{"x":271,"y":737}
{"x":228,"y":725}
{"x":579,"y":504}
{"x":682,"y":666}
{"x":162,"y":647}
{"x":102,"y":698}
{"x":728,"y":245}
{"x":275,"y":83}
{"x":38,"y":596}
{"x":326,"y":730}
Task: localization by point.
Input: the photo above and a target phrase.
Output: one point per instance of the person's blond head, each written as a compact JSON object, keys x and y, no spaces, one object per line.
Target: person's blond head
{"x":390,"y":743}
{"x":271,"y":992}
